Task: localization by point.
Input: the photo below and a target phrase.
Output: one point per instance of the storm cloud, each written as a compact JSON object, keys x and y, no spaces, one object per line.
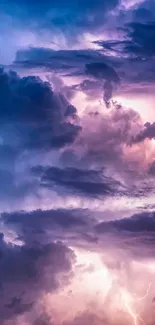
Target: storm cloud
{"x":87,"y":182}
{"x":21,"y":266}
{"x":31,"y":110}
{"x":77,"y":219}
{"x":148,"y":132}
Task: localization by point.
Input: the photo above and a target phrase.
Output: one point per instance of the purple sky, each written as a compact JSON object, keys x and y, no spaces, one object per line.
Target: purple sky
{"x":77,"y":167}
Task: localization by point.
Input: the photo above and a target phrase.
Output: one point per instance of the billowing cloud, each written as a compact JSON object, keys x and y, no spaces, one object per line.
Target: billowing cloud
{"x":77,"y":218}
{"x":33,"y":118}
{"x":31,"y":110}
{"x":107,"y":136}
{"x":148,"y":132}
{"x":21,"y":267}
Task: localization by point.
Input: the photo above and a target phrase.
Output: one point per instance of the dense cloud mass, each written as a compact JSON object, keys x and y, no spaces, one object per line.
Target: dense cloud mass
{"x":77,"y":162}
{"x":30,"y":108}
{"x":21,"y":267}
{"x":87,"y":182}
{"x":59,"y":14}
{"x":139,"y":41}
{"x":148,"y":132}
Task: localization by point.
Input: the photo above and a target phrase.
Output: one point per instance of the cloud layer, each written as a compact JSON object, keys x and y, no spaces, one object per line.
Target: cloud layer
{"x":77,"y":130}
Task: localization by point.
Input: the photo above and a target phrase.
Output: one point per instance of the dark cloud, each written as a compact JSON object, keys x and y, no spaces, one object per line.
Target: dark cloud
{"x":136,"y":233}
{"x":102,"y":71}
{"x":69,"y":17}
{"x":105,"y":71}
{"x":27,"y":272}
{"x":43,"y":120}
{"x":142,"y":36}
{"x":133,"y":45}
{"x":32,"y":118}
{"x":67,"y":62}
{"x":81,"y":227}
{"x":145,"y":12}
{"x":48,"y":55}
{"x":52,"y":157}
{"x":148,"y":132}
{"x":138,"y":41}
{"x":38,"y":266}
{"x":35,"y":225}
{"x":136,"y":224}
{"x":108,"y":91}
{"x":87,"y":182}
{"x":75,"y":63}
{"x":106,"y":74}
{"x":36,"y":115}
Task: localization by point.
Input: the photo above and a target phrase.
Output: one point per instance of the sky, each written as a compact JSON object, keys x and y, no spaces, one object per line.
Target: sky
{"x":77,"y":162}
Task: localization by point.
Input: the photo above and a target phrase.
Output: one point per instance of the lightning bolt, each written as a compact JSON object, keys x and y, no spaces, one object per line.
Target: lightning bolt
{"x":127,"y":299}
{"x":146,"y":294}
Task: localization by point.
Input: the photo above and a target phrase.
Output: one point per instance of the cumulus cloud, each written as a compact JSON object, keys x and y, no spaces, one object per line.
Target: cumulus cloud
{"x":38,"y":267}
{"x":33,"y":118}
{"x":71,"y":184}
{"x":107,"y":136}
{"x":32,"y":109}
